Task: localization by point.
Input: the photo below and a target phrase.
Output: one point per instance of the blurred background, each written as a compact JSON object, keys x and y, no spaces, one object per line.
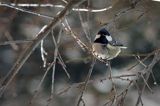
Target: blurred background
{"x":136,"y":26}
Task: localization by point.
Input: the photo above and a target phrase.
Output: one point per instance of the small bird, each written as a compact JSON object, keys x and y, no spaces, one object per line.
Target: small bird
{"x":105,"y":47}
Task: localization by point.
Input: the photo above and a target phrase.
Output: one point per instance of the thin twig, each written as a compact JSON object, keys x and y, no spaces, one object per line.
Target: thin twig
{"x":138,"y":59}
{"x":88,"y":21}
{"x":25,"y":10}
{"x":113,"y":85}
{"x":15,"y":42}
{"x":58,"y":54}
{"x":40,"y":84}
{"x":16,"y":6}
{"x":146,"y":83}
{"x":139,"y":91}
{"x":43,"y":54}
{"x":147,"y":56}
{"x":80,"y":99}
{"x":120,"y":94}
{"x":154,"y":79}
{"x":10,"y":38}
{"x":120,"y":13}
{"x":56,"y":43}
{"x":84,"y":26}
{"x":79,"y":42}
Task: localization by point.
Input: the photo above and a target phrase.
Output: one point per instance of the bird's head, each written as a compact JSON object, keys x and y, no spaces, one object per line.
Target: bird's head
{"x":104,"y":37}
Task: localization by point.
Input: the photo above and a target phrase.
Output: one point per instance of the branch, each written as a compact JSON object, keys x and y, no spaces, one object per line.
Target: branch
{"x":17,"y":5}
{"x":14,"y":42}
{"x":56,"y":43}
{"x":148,"y":72}
{"x":86,"y":83}
{"x":30,"y":48}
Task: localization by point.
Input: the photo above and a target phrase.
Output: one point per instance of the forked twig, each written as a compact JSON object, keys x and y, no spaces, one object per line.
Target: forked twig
{"x":148,"y":71}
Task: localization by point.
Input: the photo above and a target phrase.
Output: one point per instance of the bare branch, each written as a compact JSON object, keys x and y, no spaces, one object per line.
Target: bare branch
{"x":86,"y":83}
{"x":30,"y":47}
{"x":9,"y":37}
{"x":113,"y":85}
{"x":148,"y":71}
{"x":57,"y":52}
{"x":43,"y":53}
{"x":15,"y":42}
{"x":56,"y":43}
{"x":80,"y":43}
{"x":16,"y":6}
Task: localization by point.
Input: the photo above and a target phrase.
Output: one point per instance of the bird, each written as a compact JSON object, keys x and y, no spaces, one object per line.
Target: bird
{"x":105,"y":47}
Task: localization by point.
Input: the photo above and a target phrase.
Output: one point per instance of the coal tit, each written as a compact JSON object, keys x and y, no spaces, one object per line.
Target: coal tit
{"x":105,"y":47}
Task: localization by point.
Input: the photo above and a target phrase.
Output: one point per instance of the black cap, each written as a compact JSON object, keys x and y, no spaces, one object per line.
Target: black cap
{"x":103,"y":31}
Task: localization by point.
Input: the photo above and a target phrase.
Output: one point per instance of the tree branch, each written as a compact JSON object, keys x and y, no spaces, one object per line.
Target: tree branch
{"x":30,"y":48}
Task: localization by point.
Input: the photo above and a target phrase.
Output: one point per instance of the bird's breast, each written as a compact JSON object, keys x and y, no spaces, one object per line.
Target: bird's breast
{"x":100,"y":51}
{"x":105,"y":51}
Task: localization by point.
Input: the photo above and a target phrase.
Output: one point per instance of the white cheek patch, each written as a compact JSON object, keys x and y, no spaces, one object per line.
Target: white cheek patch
{"x":97,"y":36}
{"x":109,"y":38}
